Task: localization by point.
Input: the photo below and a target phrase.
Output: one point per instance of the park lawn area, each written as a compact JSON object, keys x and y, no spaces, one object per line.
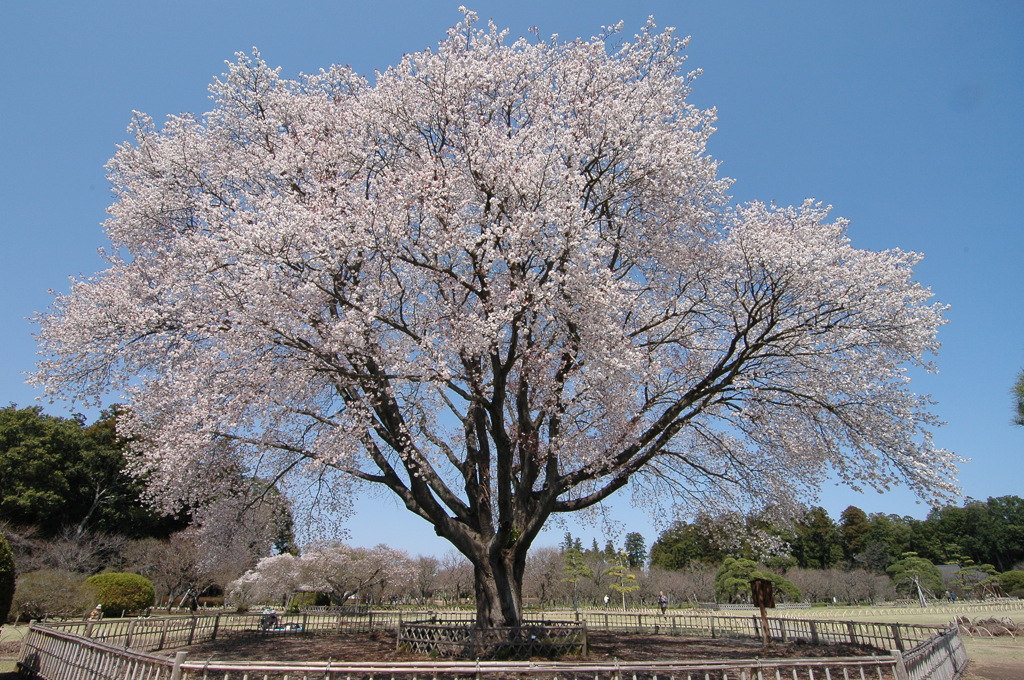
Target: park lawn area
{"x":991,"y":659}
{"x":10,"y":646}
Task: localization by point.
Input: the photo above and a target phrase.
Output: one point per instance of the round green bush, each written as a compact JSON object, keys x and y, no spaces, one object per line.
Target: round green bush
{"x":121,"y":593}
{"x":7,"y":578}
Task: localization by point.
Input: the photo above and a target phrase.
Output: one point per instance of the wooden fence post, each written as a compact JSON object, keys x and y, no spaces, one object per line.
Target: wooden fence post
{"x":192,"y":631}
{"x":901,"y":666}
{"x":179,"y":659}
{"x":814,"y":633}
{"x":897,"y":638}
{"x":216,"y":626}
{"x":163,"y":633}
{"x":852,"y":630}
{"x":131,"y":633}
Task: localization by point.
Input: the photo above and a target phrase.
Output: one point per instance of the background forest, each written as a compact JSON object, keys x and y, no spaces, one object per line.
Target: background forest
{"x":68,"y":511}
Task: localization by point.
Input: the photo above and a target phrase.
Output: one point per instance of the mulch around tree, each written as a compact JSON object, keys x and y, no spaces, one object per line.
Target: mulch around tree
{"x":381,"y":646}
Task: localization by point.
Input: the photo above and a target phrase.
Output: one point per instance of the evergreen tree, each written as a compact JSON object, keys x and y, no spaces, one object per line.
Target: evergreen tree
{"x":817,"y":544}
{"x":575,"y":569}
{"x":623,"y":581}
{"x":636,"y":550}
{"x":732,"y":582}
{"x":7,"y":578}
{"x":853,"y":529}
{"x":57,"y":474}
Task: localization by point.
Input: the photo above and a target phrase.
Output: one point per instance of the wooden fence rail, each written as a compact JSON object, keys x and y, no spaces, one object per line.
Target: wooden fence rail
{"x":101,"y":650}
{"x":59,"y":655}
{"x":158,"y":633}
{"x":552,"y":639}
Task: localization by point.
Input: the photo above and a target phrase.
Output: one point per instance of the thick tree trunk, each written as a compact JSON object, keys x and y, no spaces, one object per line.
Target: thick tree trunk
{"x":499,"y":591}
{"x":498,"y":585}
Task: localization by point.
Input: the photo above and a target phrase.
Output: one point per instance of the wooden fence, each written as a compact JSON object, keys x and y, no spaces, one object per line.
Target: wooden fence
{"x":115,"y":649}
{"x":159,"y":633}
{"x":969,"y":608}
{"x":59,"y":655}
{"x":550,"y":639}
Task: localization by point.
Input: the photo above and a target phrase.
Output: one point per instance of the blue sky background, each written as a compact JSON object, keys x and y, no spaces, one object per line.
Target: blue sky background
{"x":907,"y":117}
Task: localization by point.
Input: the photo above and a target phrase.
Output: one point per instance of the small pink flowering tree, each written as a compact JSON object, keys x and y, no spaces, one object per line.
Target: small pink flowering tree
{"x":501,"y":281}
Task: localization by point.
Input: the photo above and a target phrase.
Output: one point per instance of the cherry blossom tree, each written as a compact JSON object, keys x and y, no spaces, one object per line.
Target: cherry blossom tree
{"x":272,"y":581}
{"x":347,"y":571}
{"x":503,"y":281}
{"x":336,"y":568}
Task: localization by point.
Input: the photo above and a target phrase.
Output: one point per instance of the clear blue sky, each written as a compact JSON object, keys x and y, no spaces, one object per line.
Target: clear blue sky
{"x":908,"y":117}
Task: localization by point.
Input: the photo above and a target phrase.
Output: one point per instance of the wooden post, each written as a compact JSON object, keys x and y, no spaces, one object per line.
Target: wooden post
{"x":897,"y":638}
{"x":163,"y":633}
{"x":216,"y":626}
{"x":814,"y":632}
{"x":192,"y":631}
{"x":852,"y":630}
{"x":763,"y":594}
{"x":179,"y":659}
{"x":901,"y":665}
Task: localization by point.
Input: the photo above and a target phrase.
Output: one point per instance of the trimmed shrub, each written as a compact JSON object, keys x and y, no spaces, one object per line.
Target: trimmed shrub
{"x":7,"y":578}
{"x":49,"y":593}
{"x":1012,"y":582}
{"x":732,"y":582}
{"x":121,"y":593}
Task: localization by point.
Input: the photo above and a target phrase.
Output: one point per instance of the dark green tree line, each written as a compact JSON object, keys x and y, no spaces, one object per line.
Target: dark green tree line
{"x":59,"y":473}
{"x":981,"y":532}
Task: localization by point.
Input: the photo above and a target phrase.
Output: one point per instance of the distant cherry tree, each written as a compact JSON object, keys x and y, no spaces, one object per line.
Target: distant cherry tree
{"x":502,"y":281}
{"x":335,"y":568}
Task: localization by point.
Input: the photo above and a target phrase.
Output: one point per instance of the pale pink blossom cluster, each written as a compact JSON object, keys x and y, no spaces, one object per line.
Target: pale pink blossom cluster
{"x":502,"y":280}
{"x":334,"y":568}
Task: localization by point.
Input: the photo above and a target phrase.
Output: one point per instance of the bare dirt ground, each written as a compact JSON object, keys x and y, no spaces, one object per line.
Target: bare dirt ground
{"x":380,"y":646}
{"x":998,"y":659}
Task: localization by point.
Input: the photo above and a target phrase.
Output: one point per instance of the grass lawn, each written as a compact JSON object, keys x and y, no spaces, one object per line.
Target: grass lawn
{"x":10,"y":643}
{"x":991,"y":659}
